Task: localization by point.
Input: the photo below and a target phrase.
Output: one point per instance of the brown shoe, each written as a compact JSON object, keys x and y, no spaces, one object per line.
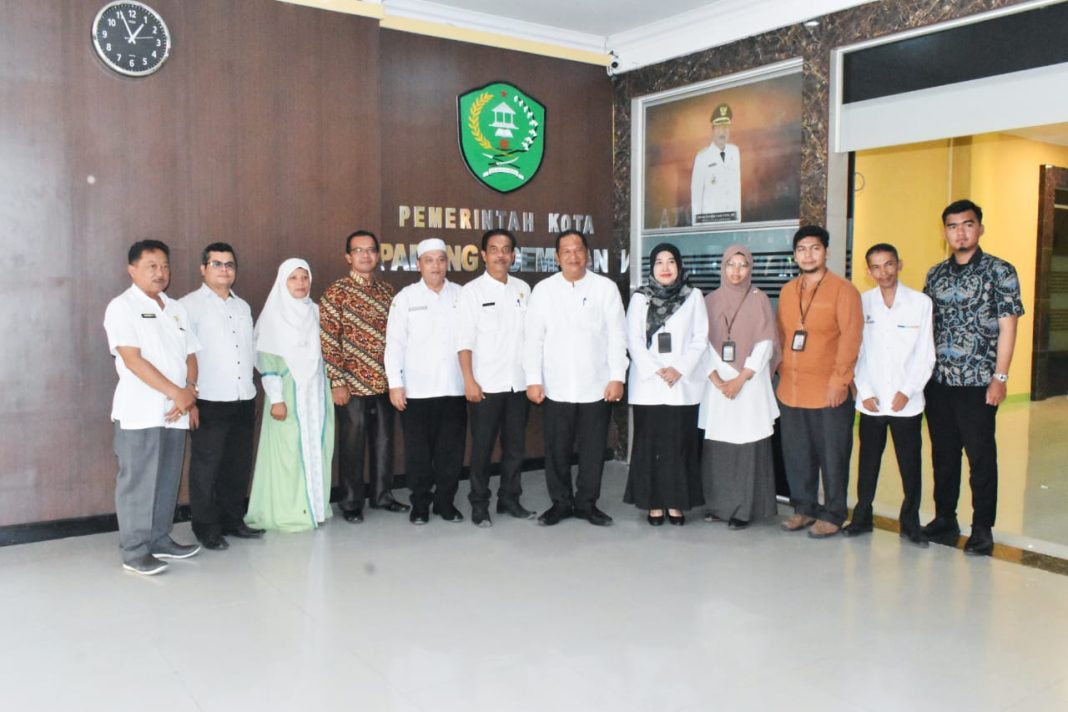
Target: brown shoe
{"x":798,"y":522}
{"x":822,"y":530}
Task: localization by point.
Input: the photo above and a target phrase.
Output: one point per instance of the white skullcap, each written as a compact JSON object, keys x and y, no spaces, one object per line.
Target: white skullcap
{"x":429,"y":245}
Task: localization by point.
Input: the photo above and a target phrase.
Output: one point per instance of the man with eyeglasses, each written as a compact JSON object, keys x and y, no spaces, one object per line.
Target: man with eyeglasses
{"x":353,"y":314}
{"x":492,"y":309}
{"x":220,"y":460}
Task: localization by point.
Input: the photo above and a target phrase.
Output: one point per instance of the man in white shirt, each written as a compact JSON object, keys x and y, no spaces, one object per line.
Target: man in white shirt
{"x":716,"y":180}
{"x":220,"y":459}
{"x":426,"y":385}
{"x":492,"y":309}
{"x":575,"y":361}
{"x":896,"y":359}
{"x":155,"y":403}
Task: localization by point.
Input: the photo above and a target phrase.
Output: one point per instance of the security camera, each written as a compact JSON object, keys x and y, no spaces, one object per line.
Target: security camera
{"x":613,"y":66}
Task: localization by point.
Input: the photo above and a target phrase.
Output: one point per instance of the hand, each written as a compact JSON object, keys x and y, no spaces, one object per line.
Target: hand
{"x":670,"y":375}
{"x":172,"y":415}
{"x":279,"y":411}
{"x":184,"y":399}
{"x":733,"y":387}
{"x":536,"y":394}
{"x":398,"y":399}
{"x":836,"y":395}
{"x":899,"y":402}
{"x":995,"y":392}
{"x":473,"y":391}
{"x":871,"y":404}
{"x":194,"y":418}
{"x":340,"y":394}
{"x":613,"y":392}
{"x":716,"y":380}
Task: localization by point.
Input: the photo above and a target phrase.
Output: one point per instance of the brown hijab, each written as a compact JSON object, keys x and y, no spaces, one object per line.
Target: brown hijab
{"x":746,"y":309}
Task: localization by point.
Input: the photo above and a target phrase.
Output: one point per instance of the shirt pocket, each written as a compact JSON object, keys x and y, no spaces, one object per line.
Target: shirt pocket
{"x":490,"y":319}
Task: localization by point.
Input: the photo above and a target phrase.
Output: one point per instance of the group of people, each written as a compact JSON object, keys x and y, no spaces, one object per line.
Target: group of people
{"x":442,"y":355}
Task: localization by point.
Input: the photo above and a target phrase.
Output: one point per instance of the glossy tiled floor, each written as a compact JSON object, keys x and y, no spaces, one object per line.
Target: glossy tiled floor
{"x":1032,"y":473}
{"x":387,"y":616}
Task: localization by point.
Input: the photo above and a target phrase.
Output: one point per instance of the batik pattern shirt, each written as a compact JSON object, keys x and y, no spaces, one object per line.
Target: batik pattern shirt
{"x":968,"y":301}
{"x":352,"y":319}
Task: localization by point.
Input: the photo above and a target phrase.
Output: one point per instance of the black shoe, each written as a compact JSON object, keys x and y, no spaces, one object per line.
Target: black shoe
{"x":353,"y":515}
{"x":941,"y":530}
{"x":449,"y":513}
{"x":515,"y":509}
{"x":243,"y":531}
{"x":712,"y":518}
{"x":857,"y":528}
{"x":419,"y":516}
{"x":656,"y":520}
{"x":736,"y":524}
{"x":980,"y":543}
{"x":554,"y":514}
{"x":594,"y":516}
{"x":915,"y":536}
{"x":392,"y":506}
{"x":676,"y":520}
{"x":215,"y":542}
{"x":480,"y":516}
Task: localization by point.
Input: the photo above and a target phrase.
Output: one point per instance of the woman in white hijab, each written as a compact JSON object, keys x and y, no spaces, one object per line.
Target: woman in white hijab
{"x":291,"y":484}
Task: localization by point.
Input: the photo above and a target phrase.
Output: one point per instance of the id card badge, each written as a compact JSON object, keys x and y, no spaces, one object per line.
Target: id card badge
{"x":728,"y":352}
{"x":798,"y":343}
{"x":663,"y":343}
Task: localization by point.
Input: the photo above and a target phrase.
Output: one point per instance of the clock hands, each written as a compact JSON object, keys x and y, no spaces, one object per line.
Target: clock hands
{"x":133,"y":37}
{"x":130,"y":37}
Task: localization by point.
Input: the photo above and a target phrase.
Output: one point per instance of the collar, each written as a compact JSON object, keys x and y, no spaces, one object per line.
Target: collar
{"x":360,"y":279}
{"x":973,"y":260}
{"x":444,"y":287}
{"x":489,"y":279}
{"x":208,"y":292}
{"x":582,"y":281}
{"x":140,"y":295}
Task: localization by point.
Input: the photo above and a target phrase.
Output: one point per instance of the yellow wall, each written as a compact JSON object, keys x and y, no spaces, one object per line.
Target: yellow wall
{"x":905,"y":188}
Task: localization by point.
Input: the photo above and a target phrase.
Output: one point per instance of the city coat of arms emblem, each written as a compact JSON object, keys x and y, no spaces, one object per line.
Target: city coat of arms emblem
{"x":502,"y":135}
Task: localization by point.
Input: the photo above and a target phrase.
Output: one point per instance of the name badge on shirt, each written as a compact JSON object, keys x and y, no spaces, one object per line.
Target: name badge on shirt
{"x":663,"y":343}
{"x":489,"y":304}
{"x":728,"y":352}
{"x":148,"y":316}
{"x":798,"y":342}
{"x":421,"y":308}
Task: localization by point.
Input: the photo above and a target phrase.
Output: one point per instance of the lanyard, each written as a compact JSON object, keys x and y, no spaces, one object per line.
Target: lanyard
{"x":800,"y":298}
{"x":730,"y":324}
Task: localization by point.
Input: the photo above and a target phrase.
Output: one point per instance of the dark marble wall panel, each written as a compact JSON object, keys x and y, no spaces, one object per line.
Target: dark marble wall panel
{"x":814,"y":46}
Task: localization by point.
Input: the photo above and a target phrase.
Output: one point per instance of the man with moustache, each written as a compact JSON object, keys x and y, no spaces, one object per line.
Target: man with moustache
{"x":716,"y":180}
{"x":976,"y":306}
{"x":154,"y":346}
{"x":492,"y":309}
{"x":895,"y":362}
{"x":426,"y":385}
{"x":575,"y":361}
{"x":220,"y":460}
{"x":820,"y":324}
{"x":352,"y":316}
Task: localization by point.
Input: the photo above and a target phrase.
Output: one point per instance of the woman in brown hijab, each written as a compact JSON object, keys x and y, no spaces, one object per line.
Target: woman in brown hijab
{"x":738,"y":410}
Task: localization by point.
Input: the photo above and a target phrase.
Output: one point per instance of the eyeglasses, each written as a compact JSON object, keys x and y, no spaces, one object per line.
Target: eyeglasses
{"x":222,"y":265}
{"x":361,"y":250}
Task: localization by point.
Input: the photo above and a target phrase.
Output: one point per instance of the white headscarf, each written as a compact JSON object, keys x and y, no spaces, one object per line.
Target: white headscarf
{"x":289,"y":327}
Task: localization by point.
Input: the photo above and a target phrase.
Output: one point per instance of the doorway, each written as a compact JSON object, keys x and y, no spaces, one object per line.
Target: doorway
{"x":1049,"y":373}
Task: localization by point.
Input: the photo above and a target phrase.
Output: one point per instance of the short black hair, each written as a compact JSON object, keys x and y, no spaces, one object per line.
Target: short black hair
{"x":216,"y":247}
{"x":812,"y":231}
{"x":360,"y":233}
{"x":569,"y":233}
{"x":142,"y":246}
{"x":881,"y":247}
{"x":962,"y":206}
{"x":493,"y":233}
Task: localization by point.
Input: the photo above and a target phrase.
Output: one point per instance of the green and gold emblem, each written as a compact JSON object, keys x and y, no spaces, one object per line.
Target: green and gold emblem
{"x":502,"y":135}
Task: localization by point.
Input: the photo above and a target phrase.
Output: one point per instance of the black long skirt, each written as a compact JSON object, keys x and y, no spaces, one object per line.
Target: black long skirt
{"x":664,"y":469}
{"x":740,"y":480}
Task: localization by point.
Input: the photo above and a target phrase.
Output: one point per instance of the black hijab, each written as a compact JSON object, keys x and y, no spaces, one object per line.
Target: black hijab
{"x":664,"y":300}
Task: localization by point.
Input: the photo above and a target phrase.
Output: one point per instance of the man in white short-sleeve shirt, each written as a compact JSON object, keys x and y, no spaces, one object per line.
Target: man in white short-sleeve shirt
{"x":575,"y":362}
{"x":155,"y":403}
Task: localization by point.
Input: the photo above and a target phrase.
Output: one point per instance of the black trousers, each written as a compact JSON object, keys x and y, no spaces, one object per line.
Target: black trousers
{"x":907,"y":444}
{"x":503,"y":414}
{"x":365,"y":426}
{"x":435,"y":432}
{"x":566,"y":423}
{"x":959,"y":418}
{"x":220,"y":464}
{"x":818,"y":441}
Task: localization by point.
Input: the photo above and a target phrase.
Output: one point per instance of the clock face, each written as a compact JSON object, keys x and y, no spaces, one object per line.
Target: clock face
{"x":131,"y":38}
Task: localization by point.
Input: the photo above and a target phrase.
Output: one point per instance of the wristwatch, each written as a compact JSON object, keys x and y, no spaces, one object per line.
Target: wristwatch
{"x":196,"y":390}
{"x":1003,"y":377}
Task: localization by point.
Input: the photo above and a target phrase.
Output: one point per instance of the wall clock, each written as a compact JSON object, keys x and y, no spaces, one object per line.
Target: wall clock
{"x":131,"y":38}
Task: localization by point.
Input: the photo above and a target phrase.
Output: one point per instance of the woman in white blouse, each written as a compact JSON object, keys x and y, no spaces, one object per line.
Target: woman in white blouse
{"x":738,"y":410}
{"x":666,"y":336}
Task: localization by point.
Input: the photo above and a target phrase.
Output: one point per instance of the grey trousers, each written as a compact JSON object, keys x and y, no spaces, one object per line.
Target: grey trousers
{"x":146,"y":491}
{"x":818,"y":442}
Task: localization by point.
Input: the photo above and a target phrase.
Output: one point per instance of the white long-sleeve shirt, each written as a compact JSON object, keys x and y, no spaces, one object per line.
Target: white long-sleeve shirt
{"x":575,"y":338}
{"x":491,"y":328}
{"x":897,"y":350}
{"x":421,"y":338}
{"x":688,"y":328}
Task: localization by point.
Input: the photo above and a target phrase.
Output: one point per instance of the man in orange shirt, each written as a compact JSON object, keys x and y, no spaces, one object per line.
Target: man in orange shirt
{"x":820,"y":326}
